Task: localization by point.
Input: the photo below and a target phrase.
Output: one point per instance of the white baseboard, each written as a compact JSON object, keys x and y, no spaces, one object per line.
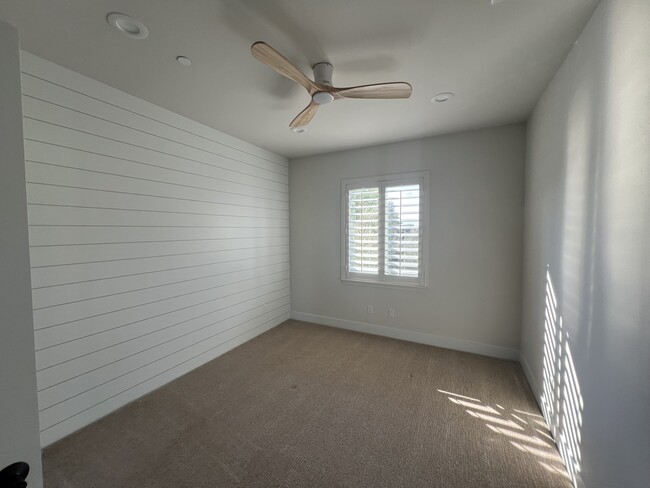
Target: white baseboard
{"x":411,"y":336}
{"x":532,"y":381}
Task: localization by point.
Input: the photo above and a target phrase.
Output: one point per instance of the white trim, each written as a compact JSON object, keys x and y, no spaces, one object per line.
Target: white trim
{"x":532,"y":381}
{"x":383,"y":284}
{"x":411,"y":336}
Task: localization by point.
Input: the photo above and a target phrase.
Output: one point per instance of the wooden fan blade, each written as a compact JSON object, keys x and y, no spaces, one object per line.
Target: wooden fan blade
{"x":274,"y":60}
{"x":305,"y":116}
{"x":377,"y":91}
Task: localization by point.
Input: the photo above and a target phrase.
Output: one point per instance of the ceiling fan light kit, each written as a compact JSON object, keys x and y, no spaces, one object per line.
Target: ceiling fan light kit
{"x":321,"y":89}
{"x":322,"y":98}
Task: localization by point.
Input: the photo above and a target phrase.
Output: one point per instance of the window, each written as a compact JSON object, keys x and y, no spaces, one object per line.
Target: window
{"x":383,"y":232}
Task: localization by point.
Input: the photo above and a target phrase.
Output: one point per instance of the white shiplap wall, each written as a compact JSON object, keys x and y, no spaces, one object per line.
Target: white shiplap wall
{"x":156,"y":244}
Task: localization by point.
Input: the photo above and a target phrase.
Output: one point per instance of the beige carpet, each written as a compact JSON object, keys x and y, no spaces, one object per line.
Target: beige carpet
{"x":310,"y":406}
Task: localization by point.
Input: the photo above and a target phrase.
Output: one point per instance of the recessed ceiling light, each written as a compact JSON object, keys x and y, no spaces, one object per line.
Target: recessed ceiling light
{"x":184,"y":60}
{"x":442,"y":97}
{"x":127,"y":26}
{"x":298,"y":130}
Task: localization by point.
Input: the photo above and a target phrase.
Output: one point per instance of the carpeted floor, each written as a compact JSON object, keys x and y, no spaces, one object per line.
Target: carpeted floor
{"x":311,"y":406}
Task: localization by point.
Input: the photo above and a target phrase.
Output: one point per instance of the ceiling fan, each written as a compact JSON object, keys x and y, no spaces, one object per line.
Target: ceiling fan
{"x":321,"y":90}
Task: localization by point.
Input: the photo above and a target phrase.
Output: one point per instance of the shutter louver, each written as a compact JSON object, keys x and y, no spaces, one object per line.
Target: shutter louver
{"x":363,"y":230}
{"x":402,"y":231}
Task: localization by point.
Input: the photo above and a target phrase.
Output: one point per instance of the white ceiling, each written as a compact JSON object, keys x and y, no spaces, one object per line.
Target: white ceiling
{"x":496,"y":58}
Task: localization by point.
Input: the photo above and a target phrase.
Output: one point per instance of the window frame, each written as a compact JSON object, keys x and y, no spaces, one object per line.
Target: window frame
{"x":381,"y":182}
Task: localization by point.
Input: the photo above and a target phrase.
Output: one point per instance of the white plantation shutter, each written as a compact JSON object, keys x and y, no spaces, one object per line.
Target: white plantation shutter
{"x":383,"y":229}
{"x":363,"y":230}
{"x":402,"y":230}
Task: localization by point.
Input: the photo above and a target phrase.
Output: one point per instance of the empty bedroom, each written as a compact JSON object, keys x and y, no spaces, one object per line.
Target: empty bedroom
{"x":353,"y":243}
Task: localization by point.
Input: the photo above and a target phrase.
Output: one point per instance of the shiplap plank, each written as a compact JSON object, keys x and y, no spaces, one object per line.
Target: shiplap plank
{"x":144,"y":301}
{"x":72,"y":137}
{"x":195,"y":359}
{"x":74,"y":348}
{"x":48,"y":175}
{"x":39,"y":195}
{"x":58,"y":294}
{"x":88,"y":164}
{"x":49,"y":256}
{"x":56,"y":215}
{"x":79,"y":371}
{"x":64,"y":97}
{"x":145,"y":317}
{"x":80,"y":131}
{"x":152,"y":168}
{"x":71,"y":235}
{"x":75,"y":273}
{"x":47,"y":91}
{"x":62,"y":411}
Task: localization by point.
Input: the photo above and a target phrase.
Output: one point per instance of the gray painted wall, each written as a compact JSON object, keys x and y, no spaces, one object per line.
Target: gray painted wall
{"x":18,"y":404}
{"x":588,"y":227}
{"x":475,"y":234}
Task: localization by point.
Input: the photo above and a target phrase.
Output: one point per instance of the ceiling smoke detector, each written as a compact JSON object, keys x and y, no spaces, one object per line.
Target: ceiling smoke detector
{"x":128,"y":26}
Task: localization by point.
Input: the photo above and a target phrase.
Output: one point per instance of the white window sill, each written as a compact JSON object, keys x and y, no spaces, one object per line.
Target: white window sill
{"x":382,"y":284}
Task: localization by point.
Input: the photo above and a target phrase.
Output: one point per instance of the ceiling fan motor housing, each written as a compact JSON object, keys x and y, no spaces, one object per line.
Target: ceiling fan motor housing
{"x":323,"y":76}
{"x":323,"y":73}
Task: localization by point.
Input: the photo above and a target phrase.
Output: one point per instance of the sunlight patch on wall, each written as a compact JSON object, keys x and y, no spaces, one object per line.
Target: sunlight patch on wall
{"x":562,"y":402}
